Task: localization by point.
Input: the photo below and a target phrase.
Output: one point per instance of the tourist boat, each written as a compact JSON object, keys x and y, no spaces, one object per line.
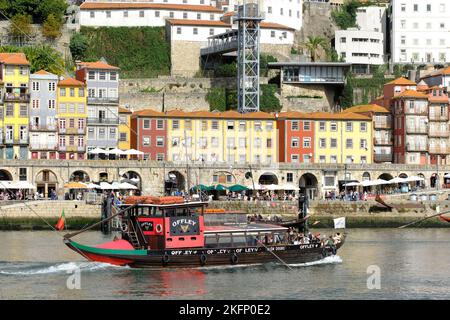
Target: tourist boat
{"x":169,"y":232}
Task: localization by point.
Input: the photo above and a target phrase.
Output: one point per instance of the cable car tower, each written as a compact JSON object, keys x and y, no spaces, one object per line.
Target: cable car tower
{"x":248,"y":20}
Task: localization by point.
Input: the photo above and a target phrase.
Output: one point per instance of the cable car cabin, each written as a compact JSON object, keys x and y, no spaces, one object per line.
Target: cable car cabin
{"x":167,"y":226}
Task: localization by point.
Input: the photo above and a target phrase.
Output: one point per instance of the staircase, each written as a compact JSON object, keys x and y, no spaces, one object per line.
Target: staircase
{"x":134,"y":239}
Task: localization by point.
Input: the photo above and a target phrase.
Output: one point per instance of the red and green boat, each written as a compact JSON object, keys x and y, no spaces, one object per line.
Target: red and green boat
{"x":169,"y":232}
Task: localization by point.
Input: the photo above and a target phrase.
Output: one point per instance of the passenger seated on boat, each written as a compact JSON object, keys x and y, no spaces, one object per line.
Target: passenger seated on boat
{"x":337,"y":238}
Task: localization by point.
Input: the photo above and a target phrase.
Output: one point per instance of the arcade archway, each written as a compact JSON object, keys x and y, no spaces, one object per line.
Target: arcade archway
{"x":308,"y":184}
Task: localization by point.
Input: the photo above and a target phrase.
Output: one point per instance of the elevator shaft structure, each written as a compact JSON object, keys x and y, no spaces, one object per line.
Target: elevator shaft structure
{"x":248,"y":20}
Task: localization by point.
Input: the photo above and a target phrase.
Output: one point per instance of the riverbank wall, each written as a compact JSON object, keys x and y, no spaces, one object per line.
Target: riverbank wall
{"x":38,"y":215}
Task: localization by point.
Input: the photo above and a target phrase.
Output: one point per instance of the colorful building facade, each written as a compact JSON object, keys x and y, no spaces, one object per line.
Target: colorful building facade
{"x":124,"y":129}
{"x":72,"y":115}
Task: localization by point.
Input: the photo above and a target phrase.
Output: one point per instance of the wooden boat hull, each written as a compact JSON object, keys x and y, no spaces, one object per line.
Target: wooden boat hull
{"x":188,"y":258}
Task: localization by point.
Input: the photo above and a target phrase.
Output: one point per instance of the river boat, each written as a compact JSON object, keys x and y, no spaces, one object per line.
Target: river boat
{"x":169,"y":232}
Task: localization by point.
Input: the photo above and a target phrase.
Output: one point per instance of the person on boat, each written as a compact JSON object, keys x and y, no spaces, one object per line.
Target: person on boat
{"x":337,"y":238}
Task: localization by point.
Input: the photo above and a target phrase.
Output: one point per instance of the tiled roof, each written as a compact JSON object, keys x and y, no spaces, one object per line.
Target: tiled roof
{"x":338,"y":116}
{"x":70,"y":82}
{"x":271,"y":25}
{"x":147,"y":113}
{"x":44,"y":73}
{"x":98,"y":65}
{"x":411,"y":94}
{"x":161,"y":6}
{"x":123,"y":110}
{"x":292,"y":115}
{"x":16,"y":58}
{"x":367,"y":108}
{"x":402,"y":81}
{"x":231,"y":114}
{"x":444,"y":71}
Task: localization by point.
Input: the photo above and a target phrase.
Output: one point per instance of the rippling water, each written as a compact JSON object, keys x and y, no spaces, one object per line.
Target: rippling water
{"x":414,"y":263}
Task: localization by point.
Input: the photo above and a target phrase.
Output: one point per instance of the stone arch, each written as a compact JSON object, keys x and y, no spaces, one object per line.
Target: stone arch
{"x":132,"y":177}
{"x":5,"y":175}
{"x":403,"y":175}
{"x":223,"y":177}
{"x":309,"y":185}
{"x":103,"y":176}
{"x":268,"y":178}
{"x":386,"y":176}
{"x":174,"y":181}
{"x":79,"y":176}
{"x":46,"y":182}
{"x":423,"y":183}
{"x":434,"y":180}
{"x":366,"y":176}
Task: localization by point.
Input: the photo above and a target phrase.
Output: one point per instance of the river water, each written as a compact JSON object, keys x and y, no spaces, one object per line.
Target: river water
{"x":412,"y":264}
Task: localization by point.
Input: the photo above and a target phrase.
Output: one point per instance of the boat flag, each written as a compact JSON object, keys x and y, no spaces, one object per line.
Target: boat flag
{"x":61,"y":222}
{"x":339,"y":223}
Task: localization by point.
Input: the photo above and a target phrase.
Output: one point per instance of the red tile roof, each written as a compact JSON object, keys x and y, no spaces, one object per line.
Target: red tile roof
{"x":70,"y":82}
{"x":147,"y":113}
{"x":402,"y":81}
{"x":411,"y":94}
{"x":44,"y":73}
{"x":98,"y":65}
{"x":123,"y":110}
{"x":160,"y":6}
{"x":186,"y":22}
{"x":367,"y":108}
{"x":16,"y":58}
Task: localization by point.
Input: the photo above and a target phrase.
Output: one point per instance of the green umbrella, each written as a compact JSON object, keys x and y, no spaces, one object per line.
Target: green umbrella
{"x":238,"y":188}
{"x":200,"y":187}
{"x":220,"y":187}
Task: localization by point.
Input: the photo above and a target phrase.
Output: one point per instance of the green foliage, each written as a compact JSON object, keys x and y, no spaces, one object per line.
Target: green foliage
{"x":139,"y":51}
{"x":217,"y":100}
{"x":268,"y":100}
{"x":400,"y":70}
{"x":346,"y":99}
{"x":151,"y":90}
{"x":313,"y":45}
{"x":265,"y":59}
{"x":226,"y":70}
{"x":20,"y":25}
{"x":39,"y":10}
{"x":78,"y":46}
{"x":51,"y":29}
{"x":345,"y":16}
{"x":40,"y":57}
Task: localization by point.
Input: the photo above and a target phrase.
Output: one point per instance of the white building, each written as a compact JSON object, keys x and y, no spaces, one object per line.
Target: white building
{"x":420,"y":31}
{"x":115,"y":14}
{"x":365,"y":45}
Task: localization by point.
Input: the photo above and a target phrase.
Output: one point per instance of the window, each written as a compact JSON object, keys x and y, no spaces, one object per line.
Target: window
{"x":214,"y":142}
{"x":294,"y":125}
{"x":349,"y":144}
{"x":92,"y":14}
{"x":51,"y":104}
{"x":102,"y":75}
{"x":146,"y":141}
{"x":322,"y":126}
{"x":290,"y":177}
{"x":91,"y":75}
{"x":269,"y":126}
{"x":215,"y":125}
{"x":160,"y":141}
{"x":178,"y":30}
{"x":10,"y":110}
{"x":175,"y":124}
{"x":160,"y":157}
{"x":294,"y":158}
{"x":62,"y":92}
{"x":72,"y":92}
{"x":333,"y":143}
{"x":258,"y":126}
{"x":157,"y":14}
{"x":363,"y":144}
{"x":35,"y":86}
{"x":146,"y":124}
{"x":322,"y":159}
{"x":211,"y":32}
{"x":188,"y":124}
{"x":349,"y":126}
{"x":403,"y":7}
{"x":333,"y":126}
{"x":230,"y":125}
{"x":363,"y":127}
{"x":108,"y":14}
{"x":204,"y":125}
{"x":195,"y":30}
{"x":307,"y":142}
{"x":269,"y":143}
{"x":113,"y":76}
{"x":306,"y":125}
{"x":294,"y":143}
{"x":428,"y":7}
{"x":141,"y":14}
{"x":125,"y":14}
{"x":159,"y":124}
{"x":322,"y":143}
{"x":52,"y":86}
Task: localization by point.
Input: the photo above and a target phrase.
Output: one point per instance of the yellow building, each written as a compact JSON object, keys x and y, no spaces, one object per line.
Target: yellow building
{"x":124,"y":129}
{"x":15,"y":97}
{"x":342,"y":138}
{"x":227,"y":137}
{"x":72,"y":116}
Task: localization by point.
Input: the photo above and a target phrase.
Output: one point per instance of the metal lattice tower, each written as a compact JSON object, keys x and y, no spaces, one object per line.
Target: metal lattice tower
{"x":248,"y":19}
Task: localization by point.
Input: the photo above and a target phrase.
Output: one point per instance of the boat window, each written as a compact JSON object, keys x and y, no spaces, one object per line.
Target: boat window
{"x":224,"y":240}
{"x":252,"y":239}
{"x":211,"y":241}
{"x":239,"y":240}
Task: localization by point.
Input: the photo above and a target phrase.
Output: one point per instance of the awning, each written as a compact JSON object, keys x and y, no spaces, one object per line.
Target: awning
{"x":117,"y":151}
{"x":414,"y":179}
{"x":397,"y":180}
{"x":127,"y":186}
{"x":378,"y":182}
{"x":352,"y":184}
{"x":75,"y":185}
{"x":133,"y":152}
{"x":98,"y":151}
{"x":106,"y":186}
{"x":237,"y":188}
{"x":93,"y":186}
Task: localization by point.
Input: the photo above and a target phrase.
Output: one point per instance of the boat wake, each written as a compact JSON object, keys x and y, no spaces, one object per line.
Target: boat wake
{"x":326,"y":260}
{"x":39,"y":268}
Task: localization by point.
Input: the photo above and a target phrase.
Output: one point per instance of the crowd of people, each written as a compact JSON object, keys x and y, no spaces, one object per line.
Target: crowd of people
{"x":349,"y":195}
{"x":261,"y":196}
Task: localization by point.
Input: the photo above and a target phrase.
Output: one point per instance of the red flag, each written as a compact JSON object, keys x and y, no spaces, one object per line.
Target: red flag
{"x":61,"y":222}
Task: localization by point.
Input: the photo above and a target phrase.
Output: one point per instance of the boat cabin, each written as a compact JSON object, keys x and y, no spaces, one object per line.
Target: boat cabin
{"x":182,"y":225}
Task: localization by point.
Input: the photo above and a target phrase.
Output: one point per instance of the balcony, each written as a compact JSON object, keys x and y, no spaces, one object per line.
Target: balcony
{"x":44,"y":146}
{"x":16,"y":97}
{"x":439,"y":150}
{"x":383,"y":125}
{"x":105,"y":100}
{"x":382,"y":141}
{"x":438,"y":117}
{"x":72,"y":148}
{"x":439,"y":134}
{"x":382,"y":158}
{"x":42,"y":127}
{"x":417,"y":129}
{"x":103,"y":120}
{"x":72,"y":130}
{"x":10,"y":141}
{"x":416,"y":147}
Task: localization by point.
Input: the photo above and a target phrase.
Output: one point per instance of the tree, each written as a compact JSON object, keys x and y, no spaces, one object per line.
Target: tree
{"x":20,"y":27}
{"x":47,"y":7}
{"x":313,"y":45}
{"x":78,"y":46}
{"x":51,"y":28}
{"x":268,"y":100}
{"x":345,"y":16}
{"x":46,"y":58}
{"x":346,"y":99}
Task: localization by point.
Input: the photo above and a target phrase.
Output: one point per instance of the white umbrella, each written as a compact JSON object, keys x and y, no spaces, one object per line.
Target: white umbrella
{"x":377,"y":182}
{"x":352,"y":184}
{"x":106,"y":186}
{"x":127,"y":186}
{"x":23,"y":185}
{"x":98,"y":151}
{"x":133,"y":152}
{"x":256,"y":187}
{"x":116,"y":151}
{"x":289,"y":186}
{"x":93,"y":186}
{"x":272,"y":187}
{"x":397,"y":180}
{"x":414,"y":178}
